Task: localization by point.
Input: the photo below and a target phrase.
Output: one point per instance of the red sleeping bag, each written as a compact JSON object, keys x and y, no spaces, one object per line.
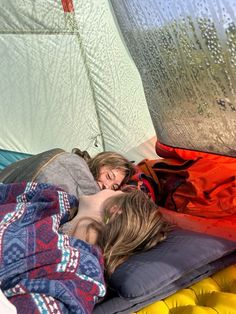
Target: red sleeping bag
{"x":196,"y":190}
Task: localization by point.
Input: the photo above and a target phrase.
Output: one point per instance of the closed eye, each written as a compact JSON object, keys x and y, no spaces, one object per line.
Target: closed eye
{"x":110,"y":176}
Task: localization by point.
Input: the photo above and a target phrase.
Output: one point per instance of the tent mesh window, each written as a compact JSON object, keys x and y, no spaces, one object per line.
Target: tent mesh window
{"x":186,"y":54}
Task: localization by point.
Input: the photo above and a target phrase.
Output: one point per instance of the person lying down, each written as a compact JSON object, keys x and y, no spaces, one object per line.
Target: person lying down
{"x":54,"y":247}
{"x":72,"y":172}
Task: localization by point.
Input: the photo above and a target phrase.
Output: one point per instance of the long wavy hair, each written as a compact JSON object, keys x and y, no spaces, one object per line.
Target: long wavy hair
{"x":134,"y":224}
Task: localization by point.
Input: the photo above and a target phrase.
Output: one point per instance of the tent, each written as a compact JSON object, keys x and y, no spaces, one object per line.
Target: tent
{"x":116,"y":75}
{"x":67,"y":80}
{"x":68,"y":77}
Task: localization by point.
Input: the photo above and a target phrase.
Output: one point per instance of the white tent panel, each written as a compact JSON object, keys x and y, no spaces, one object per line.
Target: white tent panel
{"x":42,"y":106}
{"x":22,"y":16}
{"x":67,"y":80}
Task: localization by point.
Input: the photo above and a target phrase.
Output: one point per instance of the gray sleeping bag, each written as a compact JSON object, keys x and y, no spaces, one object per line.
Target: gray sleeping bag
{"x":57,"y":167}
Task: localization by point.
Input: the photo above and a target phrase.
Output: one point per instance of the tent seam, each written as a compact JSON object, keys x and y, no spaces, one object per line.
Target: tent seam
{"x":73,"y":24}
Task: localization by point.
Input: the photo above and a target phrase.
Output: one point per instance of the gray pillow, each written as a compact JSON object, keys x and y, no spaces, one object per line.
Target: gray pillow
{"x":182,"y":259}
{"x":119,"y":305}
{"x":183,"y":251}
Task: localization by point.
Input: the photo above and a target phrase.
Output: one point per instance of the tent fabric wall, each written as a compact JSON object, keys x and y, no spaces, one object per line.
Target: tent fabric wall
{"x":67,"y":80}
{"x":186,"y":54}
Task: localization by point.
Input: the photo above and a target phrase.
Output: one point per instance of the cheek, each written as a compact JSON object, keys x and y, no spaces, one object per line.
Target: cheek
{"x":121,"y":174}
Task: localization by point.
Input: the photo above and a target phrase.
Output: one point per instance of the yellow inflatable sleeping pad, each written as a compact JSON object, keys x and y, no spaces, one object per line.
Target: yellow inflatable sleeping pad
{"x":213,"y":295}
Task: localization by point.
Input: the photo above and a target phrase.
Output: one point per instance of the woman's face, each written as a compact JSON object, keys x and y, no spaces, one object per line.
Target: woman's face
{"x":110,"y":178}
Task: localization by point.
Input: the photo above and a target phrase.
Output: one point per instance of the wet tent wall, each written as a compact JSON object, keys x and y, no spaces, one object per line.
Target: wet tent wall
{"x":67,"y":80}
{"x":185,"y":51}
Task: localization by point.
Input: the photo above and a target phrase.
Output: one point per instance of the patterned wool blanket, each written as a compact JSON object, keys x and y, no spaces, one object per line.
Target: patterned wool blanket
{"x":42,"y":270}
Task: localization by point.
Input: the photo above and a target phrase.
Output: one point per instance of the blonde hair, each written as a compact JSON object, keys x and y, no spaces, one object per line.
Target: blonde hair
{"x":136,"y":225}
{"x":114,"y":161}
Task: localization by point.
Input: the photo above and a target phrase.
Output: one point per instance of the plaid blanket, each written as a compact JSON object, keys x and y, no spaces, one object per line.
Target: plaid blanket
{"x":42,"y":270}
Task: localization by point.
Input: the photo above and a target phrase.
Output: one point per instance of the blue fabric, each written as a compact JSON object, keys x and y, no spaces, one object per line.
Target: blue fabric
{"x":7,"y":157}
{"x":41,"y":269}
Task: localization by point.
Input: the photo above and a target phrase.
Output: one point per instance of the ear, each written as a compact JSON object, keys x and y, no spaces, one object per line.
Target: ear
{"x":115,"y":210}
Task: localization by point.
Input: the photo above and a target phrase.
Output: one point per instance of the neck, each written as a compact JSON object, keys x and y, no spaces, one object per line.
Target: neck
{"x":90,"y":207}
{"x":90,"y":210}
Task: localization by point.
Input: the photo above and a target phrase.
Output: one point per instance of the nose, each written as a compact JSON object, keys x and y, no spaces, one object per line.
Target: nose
{"x":102,"y":185}
{"x":108,"y":185}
